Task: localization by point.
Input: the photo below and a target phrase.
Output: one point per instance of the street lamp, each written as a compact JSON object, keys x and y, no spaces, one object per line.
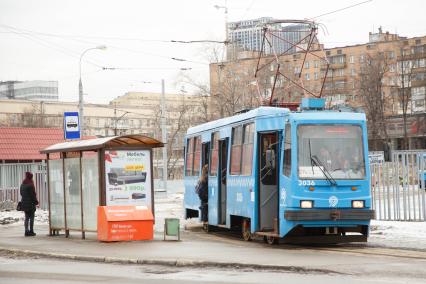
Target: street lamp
{"x":80,"y":90}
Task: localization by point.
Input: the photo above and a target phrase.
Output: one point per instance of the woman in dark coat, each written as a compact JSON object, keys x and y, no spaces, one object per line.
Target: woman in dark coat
{"x":203,"y":193}
{"x":28,"y":203}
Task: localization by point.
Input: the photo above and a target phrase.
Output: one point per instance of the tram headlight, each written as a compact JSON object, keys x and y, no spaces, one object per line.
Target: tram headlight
{"x":306,"y":204}
{"x":357,"y":203}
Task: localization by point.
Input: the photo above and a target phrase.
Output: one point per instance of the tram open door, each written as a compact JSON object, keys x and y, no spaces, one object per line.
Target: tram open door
{"x":205,"y":154}
{"x":223,"y":162}
{"x":268,"y":184}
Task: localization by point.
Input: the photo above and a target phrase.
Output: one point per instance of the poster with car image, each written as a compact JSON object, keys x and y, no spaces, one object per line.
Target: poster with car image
{"x":128,"y":177}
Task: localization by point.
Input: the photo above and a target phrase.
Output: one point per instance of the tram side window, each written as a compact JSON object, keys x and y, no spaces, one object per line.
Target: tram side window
{"x":214,"y":154}
{"x":189,"y":156}
{"x":197,"y":156}
{"x":237,"y":141}
{"x":248,"y":138}
{"x":193,"y":156}
{"x":287,"y":150}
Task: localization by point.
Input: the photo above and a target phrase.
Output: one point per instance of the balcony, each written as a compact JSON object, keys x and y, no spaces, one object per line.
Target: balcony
{"x":336,"y":78}
{"x":412,"y":56}
{"x":418,"y":83}
{"x":334,"y":66}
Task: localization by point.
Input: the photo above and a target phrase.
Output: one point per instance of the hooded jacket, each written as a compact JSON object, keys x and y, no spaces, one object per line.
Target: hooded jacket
{"x":28,"y":194}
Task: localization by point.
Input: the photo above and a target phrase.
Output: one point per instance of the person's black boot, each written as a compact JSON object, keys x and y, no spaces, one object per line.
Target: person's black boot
{"x":27,"y":233}
{"x":31,"y":234}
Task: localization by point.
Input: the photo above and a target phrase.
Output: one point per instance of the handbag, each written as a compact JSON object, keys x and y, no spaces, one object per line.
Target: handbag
{"x":19,"y":206}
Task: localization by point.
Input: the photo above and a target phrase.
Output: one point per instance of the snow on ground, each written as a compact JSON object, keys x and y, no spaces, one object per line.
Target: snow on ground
{"x":18,"y":217}
{"x":401,"y":234}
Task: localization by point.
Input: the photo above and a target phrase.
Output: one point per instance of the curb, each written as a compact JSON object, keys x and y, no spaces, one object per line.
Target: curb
{"x":175,"y":263}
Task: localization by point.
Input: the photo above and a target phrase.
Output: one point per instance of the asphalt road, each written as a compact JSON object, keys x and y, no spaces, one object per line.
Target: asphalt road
{"x":17,"y":270}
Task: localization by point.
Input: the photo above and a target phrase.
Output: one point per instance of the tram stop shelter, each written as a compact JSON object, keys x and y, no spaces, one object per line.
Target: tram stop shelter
{"x":85,"y":174}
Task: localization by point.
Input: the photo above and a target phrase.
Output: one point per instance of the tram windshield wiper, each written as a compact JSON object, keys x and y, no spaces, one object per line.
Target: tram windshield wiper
{"x":316,"y":162}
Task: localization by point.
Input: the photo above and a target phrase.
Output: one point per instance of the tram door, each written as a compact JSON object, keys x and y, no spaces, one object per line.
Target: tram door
{"x":268,"y":181}
{"x":223,"y":162}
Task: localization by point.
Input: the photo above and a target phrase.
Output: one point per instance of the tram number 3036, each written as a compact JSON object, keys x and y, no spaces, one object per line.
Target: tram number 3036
{"x":306,"y":183}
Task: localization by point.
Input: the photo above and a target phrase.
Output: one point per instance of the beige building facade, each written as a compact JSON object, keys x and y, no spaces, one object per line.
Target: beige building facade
{"x":403,"y":61}
{"x":132,"y":113}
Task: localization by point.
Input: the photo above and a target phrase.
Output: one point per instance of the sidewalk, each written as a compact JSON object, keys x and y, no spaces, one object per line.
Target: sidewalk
{"x":200,"y":250}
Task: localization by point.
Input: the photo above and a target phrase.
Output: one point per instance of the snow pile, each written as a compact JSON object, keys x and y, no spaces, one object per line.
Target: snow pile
{"x":18,"y":217}
{"x":398,"y":234}
{"x":7,"y":205}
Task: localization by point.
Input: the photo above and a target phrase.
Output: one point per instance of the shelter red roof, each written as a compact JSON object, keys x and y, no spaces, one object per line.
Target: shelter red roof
{"x":17,"y":143}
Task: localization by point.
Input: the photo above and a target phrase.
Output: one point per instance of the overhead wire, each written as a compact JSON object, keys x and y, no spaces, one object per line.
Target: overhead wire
{"x":50,"y":45}
{"x":78,"y":39}
{"x":341,"y":9}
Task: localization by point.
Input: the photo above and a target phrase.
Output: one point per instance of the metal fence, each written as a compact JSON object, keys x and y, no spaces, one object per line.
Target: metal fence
{"x":398,"y":187}
{"x":11,"y":176}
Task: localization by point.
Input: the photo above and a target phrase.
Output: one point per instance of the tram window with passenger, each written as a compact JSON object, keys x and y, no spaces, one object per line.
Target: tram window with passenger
{"x":334,"y":149}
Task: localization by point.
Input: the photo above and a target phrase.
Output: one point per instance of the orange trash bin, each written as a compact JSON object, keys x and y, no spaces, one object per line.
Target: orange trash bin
{"x":125,"y":223}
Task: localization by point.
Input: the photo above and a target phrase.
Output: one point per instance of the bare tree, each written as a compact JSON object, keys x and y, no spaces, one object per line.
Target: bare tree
{"x":373,"y":97}
{"x":405,"y":72}
{"x":179,"y":119}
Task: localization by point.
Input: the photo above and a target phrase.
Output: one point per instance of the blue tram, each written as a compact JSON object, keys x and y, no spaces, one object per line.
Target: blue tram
{"x":299,"y":177}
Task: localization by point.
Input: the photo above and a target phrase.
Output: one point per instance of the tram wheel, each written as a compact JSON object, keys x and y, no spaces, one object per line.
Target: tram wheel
{"x":270,"y":240}
{"x":245,"y":230}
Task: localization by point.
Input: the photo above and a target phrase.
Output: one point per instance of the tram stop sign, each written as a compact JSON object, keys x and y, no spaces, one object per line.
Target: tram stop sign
{"x":71,"y":125}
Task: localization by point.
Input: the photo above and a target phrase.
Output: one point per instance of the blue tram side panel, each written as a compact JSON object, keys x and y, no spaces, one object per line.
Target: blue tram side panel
{"x":297,"y":176}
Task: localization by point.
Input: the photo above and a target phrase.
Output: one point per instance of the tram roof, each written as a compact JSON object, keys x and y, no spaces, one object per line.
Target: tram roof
{"x":327,"y":115}
{"x":257,"y":112}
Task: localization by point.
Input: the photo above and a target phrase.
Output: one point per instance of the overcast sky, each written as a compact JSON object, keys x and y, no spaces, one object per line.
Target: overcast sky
{"x":43,"y":40}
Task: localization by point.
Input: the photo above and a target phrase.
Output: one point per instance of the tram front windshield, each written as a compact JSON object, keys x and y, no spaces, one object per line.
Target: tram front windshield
{"x":334,"y":150}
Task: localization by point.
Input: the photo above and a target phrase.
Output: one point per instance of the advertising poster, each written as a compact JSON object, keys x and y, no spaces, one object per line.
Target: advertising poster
{"x":128,"y":177}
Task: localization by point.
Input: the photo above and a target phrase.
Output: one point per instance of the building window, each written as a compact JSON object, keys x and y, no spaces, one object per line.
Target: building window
{"x":307,"y":78}
{"x":307,"y":64}
{"x":339,"y":72}
{"x":316,"y":75}
{"x":351,"y":59}
{"x":353,"y":73}
{"x":339,"y":51}
{"x":316,"y":63}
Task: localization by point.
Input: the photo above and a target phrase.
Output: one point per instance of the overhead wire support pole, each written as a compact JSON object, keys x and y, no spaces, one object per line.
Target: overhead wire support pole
{"x":164,"y":133}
